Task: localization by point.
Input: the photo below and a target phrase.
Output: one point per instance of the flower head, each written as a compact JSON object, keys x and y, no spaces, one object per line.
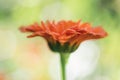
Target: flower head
{"x":64,"y":36}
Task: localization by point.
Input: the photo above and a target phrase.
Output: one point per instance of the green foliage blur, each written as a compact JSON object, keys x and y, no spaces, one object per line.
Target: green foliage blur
{"x":105,"y":13}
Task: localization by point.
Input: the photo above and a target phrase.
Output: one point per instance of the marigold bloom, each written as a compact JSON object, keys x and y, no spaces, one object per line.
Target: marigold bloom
{"x":64,"y":36}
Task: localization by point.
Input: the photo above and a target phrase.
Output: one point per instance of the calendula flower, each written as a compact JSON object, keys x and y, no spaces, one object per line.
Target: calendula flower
{"x":64,"y":36}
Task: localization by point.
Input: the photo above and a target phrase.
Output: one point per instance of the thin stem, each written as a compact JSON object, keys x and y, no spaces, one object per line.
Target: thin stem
{"x":63,"y":59}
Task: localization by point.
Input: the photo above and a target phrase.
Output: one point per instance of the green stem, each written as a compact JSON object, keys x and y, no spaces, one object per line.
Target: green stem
{"x":63,"y":59}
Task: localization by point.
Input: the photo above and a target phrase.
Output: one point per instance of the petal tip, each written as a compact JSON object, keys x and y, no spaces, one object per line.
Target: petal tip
{"x":22,"y":29}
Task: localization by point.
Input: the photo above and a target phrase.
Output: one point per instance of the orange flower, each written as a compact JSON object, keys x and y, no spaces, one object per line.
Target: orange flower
{"x":64,"y":36}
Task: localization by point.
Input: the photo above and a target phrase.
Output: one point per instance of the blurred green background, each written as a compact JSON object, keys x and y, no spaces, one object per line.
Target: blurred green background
{"x":31,"y":59}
